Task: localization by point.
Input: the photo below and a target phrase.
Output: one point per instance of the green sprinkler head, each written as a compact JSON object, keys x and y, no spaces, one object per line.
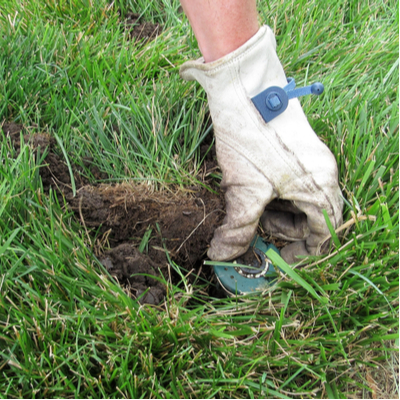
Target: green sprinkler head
{"x":252,"y":277}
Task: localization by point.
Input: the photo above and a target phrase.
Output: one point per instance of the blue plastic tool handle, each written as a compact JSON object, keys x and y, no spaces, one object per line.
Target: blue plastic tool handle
{"x":274,"y":101}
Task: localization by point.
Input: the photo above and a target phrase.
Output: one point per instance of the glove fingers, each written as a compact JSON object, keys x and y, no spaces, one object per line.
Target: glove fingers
{"x":239,"y":227}
{"x":308,"y":229}
{"x":319,"y":230}
{"x":285,"y":225}
{"x":290,"y":252}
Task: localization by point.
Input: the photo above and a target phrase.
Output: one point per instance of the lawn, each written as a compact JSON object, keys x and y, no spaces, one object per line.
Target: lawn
{"x":105,"y":101}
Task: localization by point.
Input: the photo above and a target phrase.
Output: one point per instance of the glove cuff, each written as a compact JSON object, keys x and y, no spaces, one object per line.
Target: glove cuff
{"x":256,"y":56}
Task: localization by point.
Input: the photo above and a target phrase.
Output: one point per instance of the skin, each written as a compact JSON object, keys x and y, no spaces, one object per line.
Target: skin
{"x":221,"y":26}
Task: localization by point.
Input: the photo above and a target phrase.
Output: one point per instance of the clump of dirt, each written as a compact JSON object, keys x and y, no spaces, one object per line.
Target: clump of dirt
{"x":127,"y":264}
{"x":178,"y":225}
{"x":56,"y":172}
{"x":182,"y":222}
{"x":141,"y":29}
{"x":12,"y":129}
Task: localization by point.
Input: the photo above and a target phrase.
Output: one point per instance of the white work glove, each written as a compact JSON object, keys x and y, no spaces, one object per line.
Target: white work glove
{"x":282,"y":159}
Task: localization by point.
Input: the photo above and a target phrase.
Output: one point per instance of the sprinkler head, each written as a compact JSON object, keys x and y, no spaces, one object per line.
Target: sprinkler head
{"x":254,"y":271}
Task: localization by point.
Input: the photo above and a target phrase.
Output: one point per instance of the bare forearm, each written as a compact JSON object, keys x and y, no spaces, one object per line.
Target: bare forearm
{"x":221,"y":26}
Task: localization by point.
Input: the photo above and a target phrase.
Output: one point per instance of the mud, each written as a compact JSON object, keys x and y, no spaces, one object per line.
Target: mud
{"x":140,"y":30}
{"x":178,"y":225}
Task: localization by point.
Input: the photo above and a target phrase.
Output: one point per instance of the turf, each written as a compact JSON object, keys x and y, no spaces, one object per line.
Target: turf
{"x":70,"y":68}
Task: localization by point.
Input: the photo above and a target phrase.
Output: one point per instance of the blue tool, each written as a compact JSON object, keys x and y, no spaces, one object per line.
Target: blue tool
{"x":274,"y":100}
{"x":254,"y":278}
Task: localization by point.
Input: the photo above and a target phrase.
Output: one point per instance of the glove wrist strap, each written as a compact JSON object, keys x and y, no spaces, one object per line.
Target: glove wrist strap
{"x":274,"y":100}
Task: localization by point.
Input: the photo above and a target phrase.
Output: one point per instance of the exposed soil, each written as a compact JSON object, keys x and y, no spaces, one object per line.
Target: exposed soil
{"x":179,"y":224}
{"x":137,"y":271}
{"x":141,"y":29}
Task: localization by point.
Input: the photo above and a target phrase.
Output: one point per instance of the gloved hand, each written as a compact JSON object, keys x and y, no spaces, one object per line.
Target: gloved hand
{"x":262,"y":161}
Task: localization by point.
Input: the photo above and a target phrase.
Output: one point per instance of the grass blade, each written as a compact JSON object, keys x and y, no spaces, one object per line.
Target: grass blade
{"x":281,"y":263}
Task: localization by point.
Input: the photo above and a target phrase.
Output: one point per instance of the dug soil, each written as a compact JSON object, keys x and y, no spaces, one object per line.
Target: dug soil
{"x":140,"y":30}
{"x":167,"y":226}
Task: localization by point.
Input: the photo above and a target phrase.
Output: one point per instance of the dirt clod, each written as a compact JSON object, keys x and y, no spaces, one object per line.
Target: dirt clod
{"x":135,"y":269}
{"x":181,"y":223}
{"x":12,"y":129}
{"x":170,"y":225}
{"x":141,"y":29}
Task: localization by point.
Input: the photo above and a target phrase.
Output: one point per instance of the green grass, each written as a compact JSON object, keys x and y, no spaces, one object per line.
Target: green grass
{"x":68,"y":330}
